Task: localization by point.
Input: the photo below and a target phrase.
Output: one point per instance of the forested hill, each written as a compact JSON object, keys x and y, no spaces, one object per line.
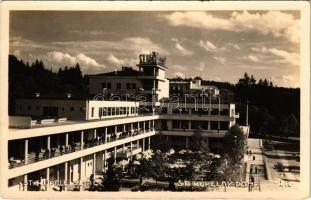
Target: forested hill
{"x":271,"y":108}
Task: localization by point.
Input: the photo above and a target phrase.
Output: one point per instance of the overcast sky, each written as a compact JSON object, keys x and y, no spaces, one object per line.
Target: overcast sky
{"x":215,"y":45}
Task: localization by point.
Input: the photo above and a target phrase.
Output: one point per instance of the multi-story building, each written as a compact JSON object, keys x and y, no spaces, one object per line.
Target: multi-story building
{"x":66,"y":140}
{"x":149,"y":80}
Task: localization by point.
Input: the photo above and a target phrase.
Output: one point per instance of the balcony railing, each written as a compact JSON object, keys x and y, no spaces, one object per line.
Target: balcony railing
{"x":56,"y":152}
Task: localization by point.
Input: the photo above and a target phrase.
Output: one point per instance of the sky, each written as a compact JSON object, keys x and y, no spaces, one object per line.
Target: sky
{"x":215,"y":45}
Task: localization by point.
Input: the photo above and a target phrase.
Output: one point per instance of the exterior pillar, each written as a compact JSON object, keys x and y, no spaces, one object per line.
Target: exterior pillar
{"x":47,"y":183}
{"x":81,"y":140}
{"x":143,"y":144}
{"x":153,"y":124}
{"x":209,"y":125}
{"x":94,"y":163}
{"x":95,"y":133}
{"x":132,"y":127}
{"x":138,"y":126}
{"x":65,"y":176}
{"x":26,"y":152}
{"x":124,"y":128}
{"x":189,"y":124}
{"x":144,"y":126}
{"x":104,"y":164}
{"x":106,"y":132}
{"x":149,"y":123}
{"x":25,"y":183}
{"x":80,"y":174}
{"x":66,"y":139}
{"x":149,"y":142}
{"x":131,"y":149}
{"x":49,"y":143}
{"x":137,"y":144}
{"x":123,"y":148}
{"x":115,"y":155}
{"x":57,"y":173}
{"x":69,"y":177}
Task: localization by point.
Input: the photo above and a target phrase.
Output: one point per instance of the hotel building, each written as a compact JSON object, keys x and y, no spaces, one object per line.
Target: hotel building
{"x":67,"y":140}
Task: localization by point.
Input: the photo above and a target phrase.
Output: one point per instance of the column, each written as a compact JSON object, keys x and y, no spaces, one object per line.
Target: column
{"x":137,"y":144}
{"x":66,"y":139}
{"x":26,"y":151}
{"x":47,"y":183}
{"x":131,"y":149}
{"x":65,"y":176}
{"x":149,"y":142}
{"x":124,"y":127}
{"x":104,"y":164}
{"x":144,"y":126}
{"x":189,"y":124}
{"x":149,"y":123}
{"x":25,"y":182}
{"x":143,"y":144}
{"x":48,"y":142}
{"x":123,"y":148}
{"x":81,"y":140}
{"x":187,"y":143}
{"x":95,"y":133}
{"x":209,"y":125}
{"x":115,"y":155}
{"x":106,"y":132}
{"x":153,"y":124}
{"x":138,"y":125}
{"x":80,"y":174}
{"x":132,"y":128}
{"x":69,"y":177}
{"x":57,"y":173}
{"x":94,"y":163}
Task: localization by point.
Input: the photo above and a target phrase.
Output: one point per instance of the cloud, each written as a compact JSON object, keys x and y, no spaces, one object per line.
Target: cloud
{"x":220,"y":59}
{"x":286,"y":80}
{"x":60,"y":59}
{"x":251,"y":58}
{"x":207,"y":45}
{"x":178,"y":67}
{"x":282,"y":56}
{"x":279,"y":24}
{"x":201,"y":67}
{"x":179,"y":74}
{"x":181,"y":48}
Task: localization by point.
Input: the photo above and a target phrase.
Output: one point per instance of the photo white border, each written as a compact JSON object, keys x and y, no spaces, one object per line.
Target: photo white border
{"x":304,"y":8}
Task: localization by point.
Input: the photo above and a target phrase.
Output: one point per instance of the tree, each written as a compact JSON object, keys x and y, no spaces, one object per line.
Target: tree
{"x":141,"y":166}
{"x":112,"y":180}
{"x":234,"y":144}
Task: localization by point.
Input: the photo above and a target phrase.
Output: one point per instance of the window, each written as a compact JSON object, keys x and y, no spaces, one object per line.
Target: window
{"x":118,"y":85}
{"x":72,"y":109}
{"x":92,"y":114}
{"x":103,"y":85}
{"x":133,"y":86}
{"x":109,"y":85}
{"x":128,"y":86}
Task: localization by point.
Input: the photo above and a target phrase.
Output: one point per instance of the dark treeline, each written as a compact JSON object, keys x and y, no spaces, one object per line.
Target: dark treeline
{"x":272,"y":110}
{"x":25,"y":80}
